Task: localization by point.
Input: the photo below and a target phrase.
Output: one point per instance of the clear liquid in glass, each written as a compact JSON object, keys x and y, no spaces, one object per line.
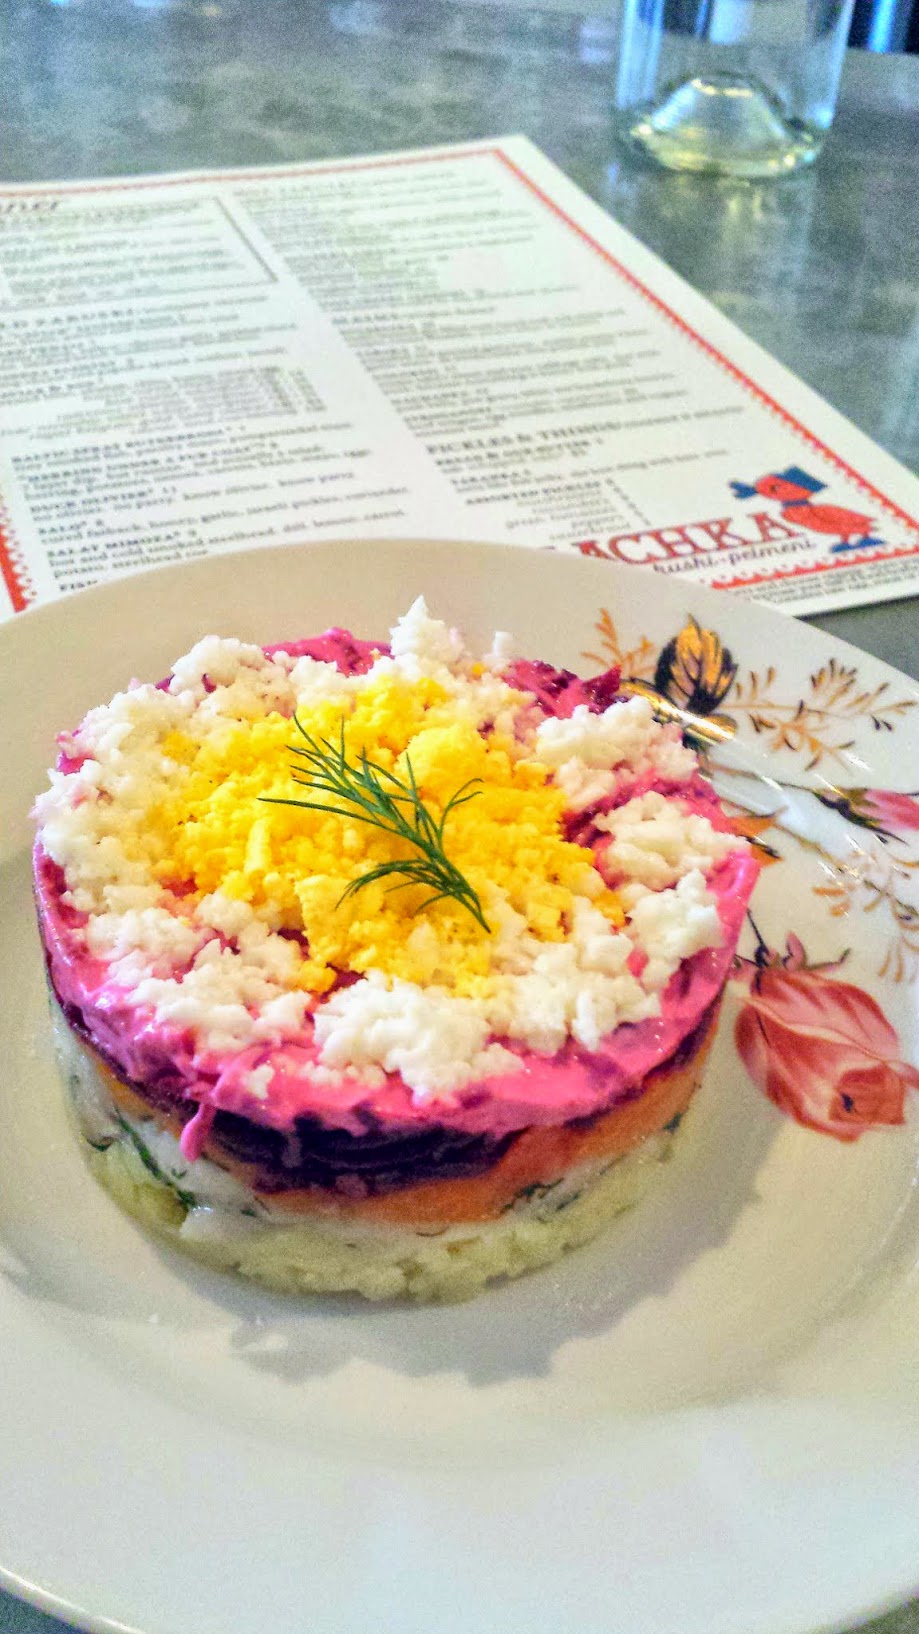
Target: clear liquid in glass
{"x":743,"y":87}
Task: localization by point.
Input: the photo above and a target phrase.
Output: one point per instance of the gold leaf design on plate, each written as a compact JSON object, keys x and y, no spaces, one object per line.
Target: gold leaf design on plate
{"x":870,"y":882}
{"x":695,"y":669}
{"x":819,"y":723}
{"x":639,"y":660}
{"x":684,"y":682}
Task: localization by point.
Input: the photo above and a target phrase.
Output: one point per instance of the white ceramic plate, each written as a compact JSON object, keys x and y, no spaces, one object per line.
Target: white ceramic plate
{"x":706,"y":1423}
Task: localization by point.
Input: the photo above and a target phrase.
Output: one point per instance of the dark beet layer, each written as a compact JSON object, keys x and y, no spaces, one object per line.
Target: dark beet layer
{"x":371,"y":1164}
{"x":559,"y":691}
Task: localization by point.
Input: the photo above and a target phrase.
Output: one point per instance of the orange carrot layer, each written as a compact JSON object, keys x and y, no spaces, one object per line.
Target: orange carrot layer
{"x":536,"y":1157}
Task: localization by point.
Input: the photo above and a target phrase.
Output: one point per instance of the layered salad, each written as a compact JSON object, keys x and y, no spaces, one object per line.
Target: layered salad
{"x":383,"y":967}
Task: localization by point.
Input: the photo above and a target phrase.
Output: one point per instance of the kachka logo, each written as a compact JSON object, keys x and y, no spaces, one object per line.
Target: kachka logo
{"x":780,"y":530}
{"x":794,"y":490}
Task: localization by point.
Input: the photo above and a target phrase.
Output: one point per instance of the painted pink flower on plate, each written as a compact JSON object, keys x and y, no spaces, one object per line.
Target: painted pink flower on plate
{"x":891,"y":810}
{"x":884,"y":811}
{"x":822,"y":1049}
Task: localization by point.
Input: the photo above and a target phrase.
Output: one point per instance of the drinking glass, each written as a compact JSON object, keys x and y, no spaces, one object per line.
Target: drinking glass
{"x":742,"y":87}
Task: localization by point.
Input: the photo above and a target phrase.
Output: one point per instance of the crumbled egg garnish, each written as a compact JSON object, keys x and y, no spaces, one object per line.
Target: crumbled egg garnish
{"x":224,"y":915}
{"x":656,"y":844}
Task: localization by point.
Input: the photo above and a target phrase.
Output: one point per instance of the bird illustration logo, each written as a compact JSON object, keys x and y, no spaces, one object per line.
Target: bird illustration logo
{"x":794,"y":490}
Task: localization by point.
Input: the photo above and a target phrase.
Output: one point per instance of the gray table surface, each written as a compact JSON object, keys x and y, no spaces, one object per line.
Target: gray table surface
{"x":822,"y":268}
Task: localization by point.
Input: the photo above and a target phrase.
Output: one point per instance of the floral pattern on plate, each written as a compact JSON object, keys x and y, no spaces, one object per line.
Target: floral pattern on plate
{"x":820,"y":1047}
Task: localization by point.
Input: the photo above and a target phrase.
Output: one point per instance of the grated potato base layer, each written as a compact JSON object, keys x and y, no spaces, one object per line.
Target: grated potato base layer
{"x":336,"y":1254}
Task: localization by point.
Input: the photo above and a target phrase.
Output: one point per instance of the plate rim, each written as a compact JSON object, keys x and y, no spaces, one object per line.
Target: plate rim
{"x":113,"y":587}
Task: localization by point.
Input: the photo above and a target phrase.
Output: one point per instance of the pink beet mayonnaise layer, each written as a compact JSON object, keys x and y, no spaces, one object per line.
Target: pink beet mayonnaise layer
{"x":547,"y":1090}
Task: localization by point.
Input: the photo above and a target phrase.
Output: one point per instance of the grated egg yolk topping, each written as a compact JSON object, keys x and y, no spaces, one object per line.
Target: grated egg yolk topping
{"x":210,"y":830}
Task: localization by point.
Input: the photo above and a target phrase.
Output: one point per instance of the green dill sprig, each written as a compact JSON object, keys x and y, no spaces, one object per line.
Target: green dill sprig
{"x":186,"y":1198}
{"x":367,"y":793}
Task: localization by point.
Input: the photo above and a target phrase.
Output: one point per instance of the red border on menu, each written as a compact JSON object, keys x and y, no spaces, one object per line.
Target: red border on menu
{"x":16,"y":584}
{"x":15,"y":581}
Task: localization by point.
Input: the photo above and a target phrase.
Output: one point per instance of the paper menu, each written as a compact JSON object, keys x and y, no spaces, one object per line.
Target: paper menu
{"x":453,"y":343}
